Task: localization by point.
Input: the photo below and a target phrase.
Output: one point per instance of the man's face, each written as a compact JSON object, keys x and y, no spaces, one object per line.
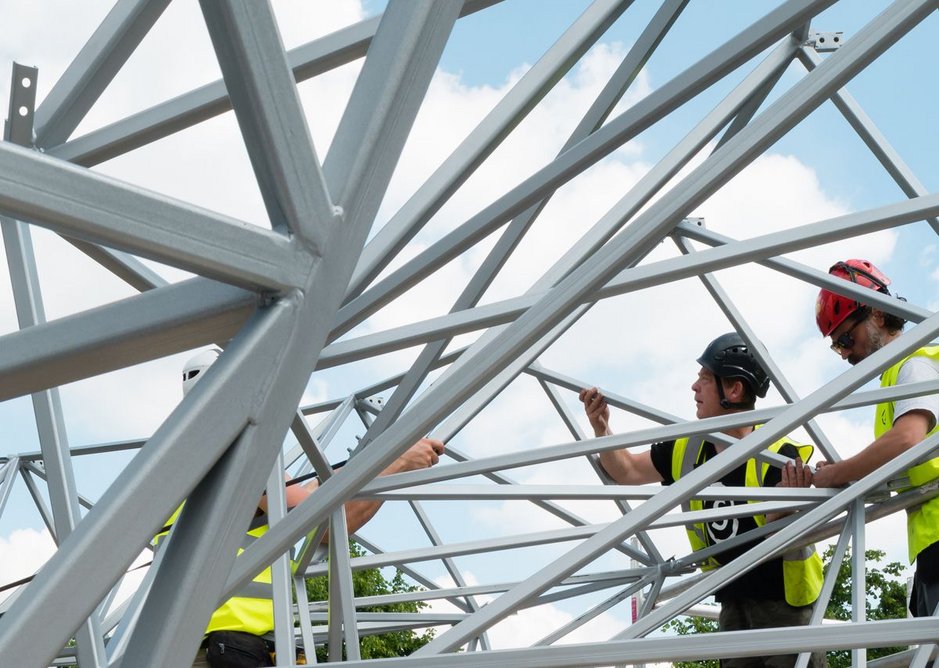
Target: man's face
{"x":706,"y":398}
{"x":865,"y":335}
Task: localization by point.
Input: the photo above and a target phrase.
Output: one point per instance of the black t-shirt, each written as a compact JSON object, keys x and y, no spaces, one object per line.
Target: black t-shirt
{"x":765,"y":581}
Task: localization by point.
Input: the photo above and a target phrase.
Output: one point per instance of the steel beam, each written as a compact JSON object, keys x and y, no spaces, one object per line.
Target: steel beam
{"x":94,"y":67}
{"x":79,"y":203}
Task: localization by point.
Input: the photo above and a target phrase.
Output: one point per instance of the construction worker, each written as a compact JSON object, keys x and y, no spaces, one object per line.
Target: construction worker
{"x":856,"y":331}
{"x":778,"y":592}
{"x":235,"y":635}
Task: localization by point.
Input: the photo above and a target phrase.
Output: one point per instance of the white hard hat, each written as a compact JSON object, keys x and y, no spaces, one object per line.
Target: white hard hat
{"x":194,"y":368}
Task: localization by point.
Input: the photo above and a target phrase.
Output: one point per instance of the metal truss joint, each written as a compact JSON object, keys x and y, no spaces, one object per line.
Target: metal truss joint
{"x":825,"y":42}
{"x":673,"y":567}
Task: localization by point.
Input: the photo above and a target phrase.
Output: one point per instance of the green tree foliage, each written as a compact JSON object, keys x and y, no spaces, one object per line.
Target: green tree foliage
{"x":886,"y":599}
{"x":371,"y":582}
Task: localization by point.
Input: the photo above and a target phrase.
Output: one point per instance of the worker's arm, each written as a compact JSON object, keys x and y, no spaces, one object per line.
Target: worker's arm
{"x":908,"y":430}
{"x":423,"y":454}
{"x":623,"y":466}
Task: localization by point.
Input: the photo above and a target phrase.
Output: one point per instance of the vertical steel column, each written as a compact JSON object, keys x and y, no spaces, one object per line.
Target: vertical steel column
{"x":281,"y":579}
{"x":358,"y":167}
{"x":47,"y":406}
{"x":858,"y":575}
{"x":342,"y":624}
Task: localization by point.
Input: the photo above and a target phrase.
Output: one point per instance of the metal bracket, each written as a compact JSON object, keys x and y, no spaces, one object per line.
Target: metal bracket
{"x":695,"y":221}
{"x":824,"y":42}
{"x":19,"y":125}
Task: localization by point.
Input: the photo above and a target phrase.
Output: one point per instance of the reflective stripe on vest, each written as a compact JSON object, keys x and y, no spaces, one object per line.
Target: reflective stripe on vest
{"x":922,"y":523}
{"x":802,"y":567}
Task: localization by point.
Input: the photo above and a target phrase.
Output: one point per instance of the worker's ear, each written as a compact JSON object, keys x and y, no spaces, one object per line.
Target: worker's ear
{"x":734,"y":391}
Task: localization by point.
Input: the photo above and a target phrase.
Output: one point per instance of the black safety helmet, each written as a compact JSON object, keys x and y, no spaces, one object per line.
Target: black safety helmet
{"x":728,"y":356}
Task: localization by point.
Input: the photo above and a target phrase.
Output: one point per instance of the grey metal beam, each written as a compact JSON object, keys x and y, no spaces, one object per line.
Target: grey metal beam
{"x":449,"y":564}
{"x":823,"y":279}
{"x":38,"y":500}
{"x":871,"y":135}
{"x":307,"y":61}
{"x":733,"y":314}
{"x":123,"y":265}
{"x":599,"y":110}
{"x":858,"y":574}
{"x":342,"y":614}
{"x":80,"y":203}
{"x":50,"y":420}
{"x":766,"y":129}
{"x":555,"y":536}
{"x":136,"y":329}
{"x":761,"y":249}
{"x":595,"y":611}
{"x":266,"y":103}
{"x":47,"y":406}
{"x":455,"y":492}
{"x":685,"y":648}
{"x":644,"y":113}
{"x":358,"y":167}
{"x":281,"y":577}
{"x":485,"y":138}
{"x":841,"y":386}
{"x":106,"y":51}
{"x":142,"y":496}
{"x":7,"y":478}
{"x":593,"y":459}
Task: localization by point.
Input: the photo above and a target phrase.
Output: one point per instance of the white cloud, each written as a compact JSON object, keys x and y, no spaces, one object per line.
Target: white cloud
{"x":22,"y":553}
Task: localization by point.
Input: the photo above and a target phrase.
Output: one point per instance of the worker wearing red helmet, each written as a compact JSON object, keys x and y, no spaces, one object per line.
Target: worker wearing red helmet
{"x":858,"y":330}
{"x":777,"y":592}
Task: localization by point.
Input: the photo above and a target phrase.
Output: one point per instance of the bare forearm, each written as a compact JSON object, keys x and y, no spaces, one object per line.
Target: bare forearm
{"x":906,"y":432}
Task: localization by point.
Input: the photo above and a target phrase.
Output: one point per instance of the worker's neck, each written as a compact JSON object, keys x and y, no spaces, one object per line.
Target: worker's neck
{"x":737,"y":433}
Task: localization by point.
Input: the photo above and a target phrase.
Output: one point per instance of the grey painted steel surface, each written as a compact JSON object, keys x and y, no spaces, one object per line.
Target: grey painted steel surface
{"x":278,"y":296}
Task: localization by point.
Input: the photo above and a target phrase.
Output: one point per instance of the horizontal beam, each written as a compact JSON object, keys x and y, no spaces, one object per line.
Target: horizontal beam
{"x":77,"y":202}
{"x":186,"y":110}
{"x":137,"y":329}
{"x":732,"y":253}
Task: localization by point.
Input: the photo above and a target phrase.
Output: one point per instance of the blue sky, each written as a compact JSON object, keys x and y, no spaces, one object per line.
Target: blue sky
{"x":818,"y":170}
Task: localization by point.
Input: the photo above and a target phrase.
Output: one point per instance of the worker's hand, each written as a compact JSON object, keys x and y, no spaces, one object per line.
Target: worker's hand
{"x":423,"y":454}
{"x":597,"y":411}
{"x":826,"y":475}
{"x":796,"y":474}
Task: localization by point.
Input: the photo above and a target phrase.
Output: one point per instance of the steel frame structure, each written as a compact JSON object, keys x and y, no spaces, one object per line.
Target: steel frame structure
{"x":283,"y":298}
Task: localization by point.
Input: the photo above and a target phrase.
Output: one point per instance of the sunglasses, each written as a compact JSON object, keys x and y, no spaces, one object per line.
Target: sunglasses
{"x":846,"y":340}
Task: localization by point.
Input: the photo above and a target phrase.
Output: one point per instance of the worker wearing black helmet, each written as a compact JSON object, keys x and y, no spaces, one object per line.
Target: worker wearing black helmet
{"x":778,"y":592}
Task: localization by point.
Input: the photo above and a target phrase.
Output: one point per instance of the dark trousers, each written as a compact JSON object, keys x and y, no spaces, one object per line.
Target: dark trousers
{"x":748,"y":614}
{"x":236,"y":649}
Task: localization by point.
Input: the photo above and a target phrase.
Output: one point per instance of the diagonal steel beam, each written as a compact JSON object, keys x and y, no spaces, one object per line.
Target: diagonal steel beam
{"x":79,"y":203}
{"x":136,"y":329}
{"x":266,"y":103}
{"x":485,"y":138}
{"x":611,"y":136}
{"x":307,"y":61}
{"x":94,"y":67}
{"x":871,"y":135}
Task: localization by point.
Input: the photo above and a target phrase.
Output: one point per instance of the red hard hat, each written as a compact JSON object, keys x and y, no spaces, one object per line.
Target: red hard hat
{"x":833,"y":309}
